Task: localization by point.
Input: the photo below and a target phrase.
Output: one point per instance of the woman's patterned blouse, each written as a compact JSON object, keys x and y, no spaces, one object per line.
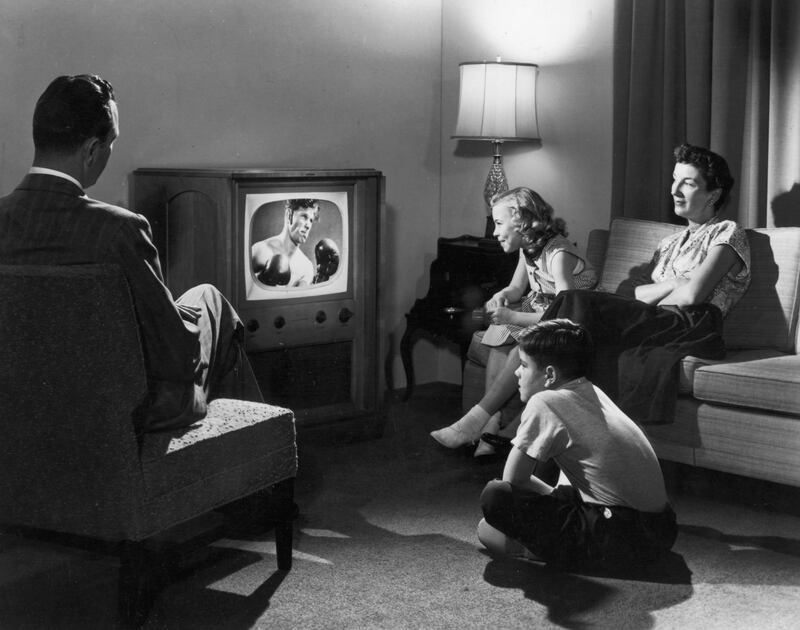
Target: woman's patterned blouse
{"x":680,"y":253}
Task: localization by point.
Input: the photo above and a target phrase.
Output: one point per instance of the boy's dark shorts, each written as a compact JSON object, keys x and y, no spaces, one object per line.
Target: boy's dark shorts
{"x":562,"y":529}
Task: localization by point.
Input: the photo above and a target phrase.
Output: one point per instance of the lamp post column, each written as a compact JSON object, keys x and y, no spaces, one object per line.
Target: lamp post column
{"x":496,"y":182}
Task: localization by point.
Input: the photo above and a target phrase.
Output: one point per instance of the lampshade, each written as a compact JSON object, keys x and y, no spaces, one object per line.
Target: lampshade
{"x":497,"y":101}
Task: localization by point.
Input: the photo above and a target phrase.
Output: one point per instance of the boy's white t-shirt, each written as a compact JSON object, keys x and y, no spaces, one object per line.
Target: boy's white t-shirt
{"x":600,"y":450}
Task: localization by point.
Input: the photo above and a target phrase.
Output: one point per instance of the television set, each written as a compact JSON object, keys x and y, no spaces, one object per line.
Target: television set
{"x":296,"y":252}
{"x":315,"y":222}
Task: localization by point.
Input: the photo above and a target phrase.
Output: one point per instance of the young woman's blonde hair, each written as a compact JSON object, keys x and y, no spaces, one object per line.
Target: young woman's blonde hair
{"x":532,"y":217}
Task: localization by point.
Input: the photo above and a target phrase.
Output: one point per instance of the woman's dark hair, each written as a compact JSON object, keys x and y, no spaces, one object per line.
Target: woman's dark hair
{"x":532,"y":217}
{"x":70,"y":111}
{"x":711,"y":166}
{"x":559,"y":342}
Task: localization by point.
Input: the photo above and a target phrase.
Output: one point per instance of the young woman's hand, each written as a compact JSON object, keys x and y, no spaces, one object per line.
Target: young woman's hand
{"x":495,"y":302}
{"x":503,"y":315}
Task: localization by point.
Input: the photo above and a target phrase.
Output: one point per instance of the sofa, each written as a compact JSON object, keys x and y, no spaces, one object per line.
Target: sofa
{"x":737,"y":415}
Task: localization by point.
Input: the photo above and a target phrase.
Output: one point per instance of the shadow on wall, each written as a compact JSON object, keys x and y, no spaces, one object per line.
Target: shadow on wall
{"x":786,"y":208}
{"x":761,"y":308}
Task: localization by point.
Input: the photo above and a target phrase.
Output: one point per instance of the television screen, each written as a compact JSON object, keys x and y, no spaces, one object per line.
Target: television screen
{"x":296,"y":243}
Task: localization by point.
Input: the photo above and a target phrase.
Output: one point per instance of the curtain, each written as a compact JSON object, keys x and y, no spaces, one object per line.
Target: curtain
{"x":723,"y":74}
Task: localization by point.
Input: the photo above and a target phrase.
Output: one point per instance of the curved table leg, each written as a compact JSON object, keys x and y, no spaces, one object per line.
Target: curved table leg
{"x":406,"y":345}
{"x":463,"y":346}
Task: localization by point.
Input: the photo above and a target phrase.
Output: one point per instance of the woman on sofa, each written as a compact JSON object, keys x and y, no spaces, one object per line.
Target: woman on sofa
{"x":548,"y":263}
{"x":698,"y":275}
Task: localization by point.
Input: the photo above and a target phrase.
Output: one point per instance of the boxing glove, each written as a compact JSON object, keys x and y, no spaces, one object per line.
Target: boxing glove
{"x":277,"y":271}
{"x":327,"y":255}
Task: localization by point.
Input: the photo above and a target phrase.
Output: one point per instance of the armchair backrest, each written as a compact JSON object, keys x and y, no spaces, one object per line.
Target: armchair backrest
{"x":71,"y":375}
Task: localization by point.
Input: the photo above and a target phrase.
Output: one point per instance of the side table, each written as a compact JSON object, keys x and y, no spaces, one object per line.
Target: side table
{"x":467,"y":271}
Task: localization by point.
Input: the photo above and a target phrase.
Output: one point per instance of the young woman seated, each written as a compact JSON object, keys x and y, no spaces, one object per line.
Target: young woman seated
{"x":548,"y":264}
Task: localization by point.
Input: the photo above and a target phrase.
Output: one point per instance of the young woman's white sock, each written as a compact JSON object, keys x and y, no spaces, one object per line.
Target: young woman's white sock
{"x":464,"y":431}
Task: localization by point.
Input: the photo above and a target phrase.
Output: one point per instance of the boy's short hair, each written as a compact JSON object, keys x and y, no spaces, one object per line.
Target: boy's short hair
{"x":559,"y":342}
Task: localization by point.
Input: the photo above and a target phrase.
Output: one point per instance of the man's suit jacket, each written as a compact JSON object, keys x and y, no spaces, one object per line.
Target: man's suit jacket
{"x":49,"y":220}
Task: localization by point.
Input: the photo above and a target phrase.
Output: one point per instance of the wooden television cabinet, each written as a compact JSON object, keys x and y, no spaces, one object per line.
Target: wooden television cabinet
{"x":313,"y":347}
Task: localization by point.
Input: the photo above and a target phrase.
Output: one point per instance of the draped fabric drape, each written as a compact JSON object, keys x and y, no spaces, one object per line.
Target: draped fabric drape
{"x":724,"y":74}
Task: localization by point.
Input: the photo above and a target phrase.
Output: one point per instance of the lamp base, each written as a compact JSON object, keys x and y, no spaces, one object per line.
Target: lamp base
{"x":496,"y":183}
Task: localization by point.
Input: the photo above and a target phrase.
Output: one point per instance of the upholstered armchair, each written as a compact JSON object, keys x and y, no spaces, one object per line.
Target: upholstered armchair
{"x":71,"y":375}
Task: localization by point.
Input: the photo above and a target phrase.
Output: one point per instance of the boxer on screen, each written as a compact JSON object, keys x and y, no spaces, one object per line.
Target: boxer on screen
{"x":278,"y":260}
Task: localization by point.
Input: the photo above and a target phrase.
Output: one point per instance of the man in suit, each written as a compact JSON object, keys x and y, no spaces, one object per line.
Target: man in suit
{"x":192,"y":346}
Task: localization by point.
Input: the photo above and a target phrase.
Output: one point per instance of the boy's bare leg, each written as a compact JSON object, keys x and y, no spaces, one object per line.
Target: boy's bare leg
{"x":498,"y":543}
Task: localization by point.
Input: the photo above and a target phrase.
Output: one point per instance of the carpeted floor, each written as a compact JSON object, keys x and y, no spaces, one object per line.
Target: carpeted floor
{"x":386,"y":539}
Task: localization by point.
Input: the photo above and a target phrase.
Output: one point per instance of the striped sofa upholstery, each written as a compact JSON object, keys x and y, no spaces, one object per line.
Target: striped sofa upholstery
{"x":740,"y":414}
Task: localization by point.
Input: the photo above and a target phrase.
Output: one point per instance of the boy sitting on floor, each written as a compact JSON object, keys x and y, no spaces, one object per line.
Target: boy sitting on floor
{"x":611,"y":507}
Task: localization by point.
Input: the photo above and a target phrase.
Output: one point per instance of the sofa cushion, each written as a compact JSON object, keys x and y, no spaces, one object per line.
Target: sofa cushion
{"x":596,"y":245}
{"x":746,"y":442}
{"x":766,"y":316}
{"x":477,"y":351}
{"x":762,"y":379}
{"x":631,"y":244}
{"x":676,"y":441}
{"x":688,"y":366}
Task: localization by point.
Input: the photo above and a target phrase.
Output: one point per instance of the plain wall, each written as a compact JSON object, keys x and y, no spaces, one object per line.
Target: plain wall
{"x":250,"y":83}
{"x":330,"y":84}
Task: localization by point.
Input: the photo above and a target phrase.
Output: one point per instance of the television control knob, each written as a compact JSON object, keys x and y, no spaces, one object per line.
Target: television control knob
{"x":345,"y":314}
{"x":279,"y":321}
{"x":252,"y":325}
{"x":321,"y":317}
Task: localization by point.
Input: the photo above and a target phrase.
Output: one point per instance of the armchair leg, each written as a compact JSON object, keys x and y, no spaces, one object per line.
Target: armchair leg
{"x":138,"y":584}
{"x":285,"y":513}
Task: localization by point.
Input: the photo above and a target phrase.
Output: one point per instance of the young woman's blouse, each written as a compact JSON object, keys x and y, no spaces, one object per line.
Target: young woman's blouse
{"x":541,"y":280}
{"x":540,"y":274}
{"x":680,"y":253}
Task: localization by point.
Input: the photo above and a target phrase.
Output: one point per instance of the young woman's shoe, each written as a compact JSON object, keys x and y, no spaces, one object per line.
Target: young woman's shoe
{"x":484,"y":450}
{"x":465,"y":431}
{"x":499,"y":443}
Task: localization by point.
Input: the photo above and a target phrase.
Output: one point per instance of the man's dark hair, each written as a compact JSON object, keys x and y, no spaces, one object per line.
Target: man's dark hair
{"x":70,"y":111}
{"x":293,"y":205}
{"x":561,"y":343}
{"x":712,"y":167}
